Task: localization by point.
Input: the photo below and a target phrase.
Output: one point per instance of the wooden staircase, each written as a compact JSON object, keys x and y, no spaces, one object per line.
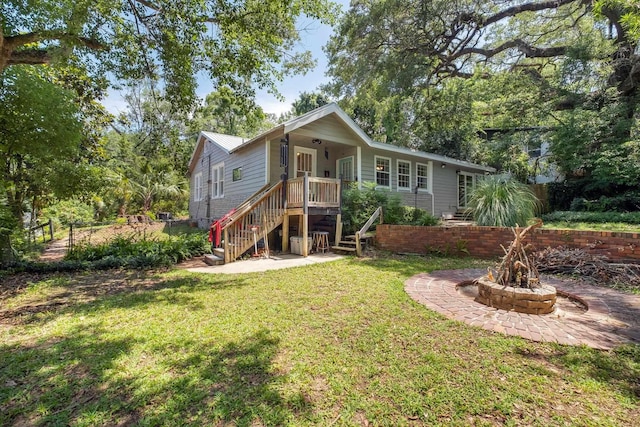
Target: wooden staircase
{"x":463,"y":214}
{"x":355,"y":243}
{"x":252,"y":220}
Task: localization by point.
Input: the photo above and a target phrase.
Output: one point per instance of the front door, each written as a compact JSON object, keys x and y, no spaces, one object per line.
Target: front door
{"x":465,"y":186}
{"x":305,"y":161}
{"x":345,"y":169}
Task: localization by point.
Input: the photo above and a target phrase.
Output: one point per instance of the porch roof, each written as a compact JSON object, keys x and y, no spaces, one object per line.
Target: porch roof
{"x":233,"y":143}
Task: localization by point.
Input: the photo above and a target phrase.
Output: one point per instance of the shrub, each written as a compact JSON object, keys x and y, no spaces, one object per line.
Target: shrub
{"x":358,"y":206}
{"x":145,"y":253}
{"x":593,"y":217}
{"x":66,"y":212}
{"x":502,"y":202}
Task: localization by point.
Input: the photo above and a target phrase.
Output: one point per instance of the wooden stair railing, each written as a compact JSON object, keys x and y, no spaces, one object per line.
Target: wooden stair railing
{"x":354,"y":242}
{"x":244,"y":206}
{"x":264,"y":212}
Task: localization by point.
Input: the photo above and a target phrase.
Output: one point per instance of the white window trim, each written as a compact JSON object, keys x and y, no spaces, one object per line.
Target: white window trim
{"x":429,"y":167}
{"x":197,"y":187}
{"x":398,"y":161}
{"x":375,"y":171}
{"x":216,"y":184}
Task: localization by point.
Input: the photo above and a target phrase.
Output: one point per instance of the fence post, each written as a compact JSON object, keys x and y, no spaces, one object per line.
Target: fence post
{"x":51,"y":228}
{"x":70,"y":244}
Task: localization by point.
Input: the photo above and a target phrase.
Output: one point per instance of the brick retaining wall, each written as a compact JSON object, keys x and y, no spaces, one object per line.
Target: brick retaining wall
{"x":484,"y":242}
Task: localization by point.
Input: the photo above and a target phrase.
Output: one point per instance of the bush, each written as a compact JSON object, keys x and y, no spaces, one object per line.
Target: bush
{"x":145,"y":253}
{"x":625,"y":202}
{"x":358,"y":206}
{"x":502,"y":202}
{"x":67,"y":212}
{"x":593,"y":217}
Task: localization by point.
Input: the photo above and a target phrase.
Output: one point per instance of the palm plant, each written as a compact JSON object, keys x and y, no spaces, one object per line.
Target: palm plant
{"x":503,"y":202}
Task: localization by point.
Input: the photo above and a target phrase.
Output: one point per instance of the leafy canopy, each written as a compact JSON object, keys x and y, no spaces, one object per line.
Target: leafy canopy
{"x":235,"y":43}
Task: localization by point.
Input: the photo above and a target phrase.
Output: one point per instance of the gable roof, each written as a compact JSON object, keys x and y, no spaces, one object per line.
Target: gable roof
{"x":233,"y":143}
{"x":226,"y":142}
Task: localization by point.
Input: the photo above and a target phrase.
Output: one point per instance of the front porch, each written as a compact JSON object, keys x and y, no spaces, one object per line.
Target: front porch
{"x":288,"y":203}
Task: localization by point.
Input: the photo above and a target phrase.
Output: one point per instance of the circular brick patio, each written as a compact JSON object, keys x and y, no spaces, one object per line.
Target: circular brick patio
{"x":612,"y":317}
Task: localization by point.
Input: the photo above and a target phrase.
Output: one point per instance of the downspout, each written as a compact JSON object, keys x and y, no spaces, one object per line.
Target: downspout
{"x":433,"y":193}
{"x":208,"y":190}
{"x":359,"y":177}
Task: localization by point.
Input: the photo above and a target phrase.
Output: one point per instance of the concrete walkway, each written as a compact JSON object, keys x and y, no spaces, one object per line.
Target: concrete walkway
{"x":252,"y":265}
{"x":612,"y":317}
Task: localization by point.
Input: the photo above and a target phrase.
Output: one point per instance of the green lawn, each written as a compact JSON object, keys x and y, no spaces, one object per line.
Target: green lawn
{"x":328,"y":344}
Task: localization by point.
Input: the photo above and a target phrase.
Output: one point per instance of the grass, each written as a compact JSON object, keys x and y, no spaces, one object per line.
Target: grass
{"x":328,"y":344}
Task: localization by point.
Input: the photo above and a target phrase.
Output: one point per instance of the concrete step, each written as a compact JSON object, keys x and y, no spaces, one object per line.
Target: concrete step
{"x":343,"y":248}
{"x":213,"y":260}
{"x":219,"y":252}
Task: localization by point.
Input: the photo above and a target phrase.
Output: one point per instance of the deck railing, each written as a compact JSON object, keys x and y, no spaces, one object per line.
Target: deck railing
{"x":309,"y":191}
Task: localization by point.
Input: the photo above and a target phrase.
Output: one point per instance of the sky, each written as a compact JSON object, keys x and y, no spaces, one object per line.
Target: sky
{"x":313,"y":37}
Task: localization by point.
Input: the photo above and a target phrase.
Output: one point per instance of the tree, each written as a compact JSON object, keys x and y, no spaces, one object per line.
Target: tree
{"x":236,"y":43}
{"x":41,"y":132}
{"x":155,"y":130}
{"x":226,"y":113}
{"x":414,"y":43}
{"x":308,"y":101}
{"x":556,"y":60}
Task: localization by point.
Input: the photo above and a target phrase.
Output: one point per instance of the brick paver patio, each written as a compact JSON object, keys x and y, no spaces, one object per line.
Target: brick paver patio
{"x":612,"y":317}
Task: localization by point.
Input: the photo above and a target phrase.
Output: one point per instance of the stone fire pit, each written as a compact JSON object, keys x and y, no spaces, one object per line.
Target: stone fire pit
{"x":539,"y":300}
{"x":516,"y":285}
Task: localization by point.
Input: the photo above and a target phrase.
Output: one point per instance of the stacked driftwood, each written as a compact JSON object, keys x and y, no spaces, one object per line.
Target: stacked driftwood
{"x":596,"y":268}
{"x":517,"y":269}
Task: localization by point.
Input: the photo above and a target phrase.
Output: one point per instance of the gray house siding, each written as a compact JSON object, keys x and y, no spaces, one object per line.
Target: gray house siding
{"x":333,"y":136}
{"x":444,"y":189}
{"x":249,"y":160}
{"x":423,"y":199}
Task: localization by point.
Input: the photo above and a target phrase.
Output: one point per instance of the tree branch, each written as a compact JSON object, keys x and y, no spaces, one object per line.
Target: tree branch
{"x":524,"y":47}
{"x":13,"y":42}
{"x":151,"y":5}
{"x":528,"y":7}
{"x":29,"y":57}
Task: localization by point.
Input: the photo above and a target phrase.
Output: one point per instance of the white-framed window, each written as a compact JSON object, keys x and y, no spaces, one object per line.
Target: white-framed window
{"x":344,"y":166}
{"x":305,"y":161}
{"x":197,"y":187}
{"x":217,"y":181}
{"x":383,"y":171}
{"x":403,"y":169}
{"x":422,"y":177}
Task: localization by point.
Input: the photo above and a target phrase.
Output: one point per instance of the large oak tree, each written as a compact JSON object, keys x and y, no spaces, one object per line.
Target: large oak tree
{"x":579,"y":59}
{"x":235,"y":43}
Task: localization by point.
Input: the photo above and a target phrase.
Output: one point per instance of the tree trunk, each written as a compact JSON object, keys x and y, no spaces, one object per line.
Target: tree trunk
{"x":6,"y":251}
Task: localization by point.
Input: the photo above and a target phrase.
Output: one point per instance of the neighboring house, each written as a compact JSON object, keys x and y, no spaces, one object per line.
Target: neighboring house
{"x":326,"y":146}
{"x":544,"y":170}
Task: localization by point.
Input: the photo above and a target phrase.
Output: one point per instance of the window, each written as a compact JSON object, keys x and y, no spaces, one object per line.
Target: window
{"x":217,"y":181}
{"x":305,"y":161}
{"x":404,"y":175}
{"x":236,"y":174}
{"x":345,"y":169}
{"x":383,"y":171}
{"x":197,"y":187}
{"x":422,"y":176}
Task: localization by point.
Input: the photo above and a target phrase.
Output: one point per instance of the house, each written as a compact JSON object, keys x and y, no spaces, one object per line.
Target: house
{"x":304,"y":162}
